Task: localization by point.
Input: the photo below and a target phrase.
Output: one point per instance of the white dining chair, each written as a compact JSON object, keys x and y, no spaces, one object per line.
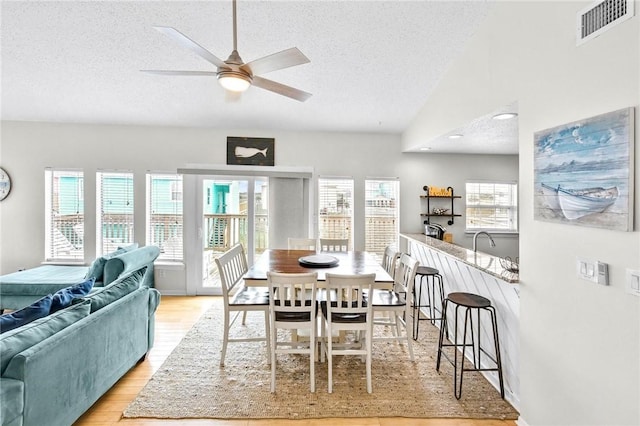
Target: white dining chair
{"x":293,"y":307}
{"x":334,"y":244}
{"x":389,"y":262}
{"x":238,"y":299}
{"x":302,"y":244}
{"x":398,"y":302}
{"x":347,"y":310}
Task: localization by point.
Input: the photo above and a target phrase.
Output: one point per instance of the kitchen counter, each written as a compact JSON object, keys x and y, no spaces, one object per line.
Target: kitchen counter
{"x":482,"y":261}
{"x":479,"y":273}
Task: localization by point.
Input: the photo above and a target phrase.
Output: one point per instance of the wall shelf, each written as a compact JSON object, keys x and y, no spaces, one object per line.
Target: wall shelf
{"x":450,"y":215}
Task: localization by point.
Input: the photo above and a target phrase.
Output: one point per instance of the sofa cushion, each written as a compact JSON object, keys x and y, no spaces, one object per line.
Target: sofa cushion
{"x":114,"y":291}
{"x":30,"y":313}
{"x":17,"y":340}
{"x":63,"y":298}
{"x":96,"y":269}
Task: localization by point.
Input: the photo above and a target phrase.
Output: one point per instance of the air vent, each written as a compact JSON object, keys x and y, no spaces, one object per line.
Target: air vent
{"x":602,"y":16}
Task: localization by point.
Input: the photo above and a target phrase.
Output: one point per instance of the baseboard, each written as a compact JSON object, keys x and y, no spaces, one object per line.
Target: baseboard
{"x":521,"y":422}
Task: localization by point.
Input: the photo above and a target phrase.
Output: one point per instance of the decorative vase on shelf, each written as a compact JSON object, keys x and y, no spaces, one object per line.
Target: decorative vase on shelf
{"x":439,"y":211}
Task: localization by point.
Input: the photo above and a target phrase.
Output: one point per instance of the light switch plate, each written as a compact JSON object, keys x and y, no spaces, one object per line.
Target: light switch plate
{"x":633,"y":282}
{"x":586,"y":269}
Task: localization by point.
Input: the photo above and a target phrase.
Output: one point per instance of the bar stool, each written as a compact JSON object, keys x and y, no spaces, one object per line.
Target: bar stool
{"x":433,"y":278}
{"x":469,"y":301}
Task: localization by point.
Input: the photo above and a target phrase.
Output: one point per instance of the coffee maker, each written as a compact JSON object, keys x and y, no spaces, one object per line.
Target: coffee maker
{"x":434,"y":230}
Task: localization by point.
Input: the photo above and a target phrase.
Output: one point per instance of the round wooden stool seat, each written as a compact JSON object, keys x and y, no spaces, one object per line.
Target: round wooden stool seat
{"x":426,"y":270}
{"x":469,"y":300}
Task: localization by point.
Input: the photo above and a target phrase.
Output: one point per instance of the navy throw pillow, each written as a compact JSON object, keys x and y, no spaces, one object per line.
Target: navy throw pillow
{"x":38,"y":309}
{"x":63,"y":298}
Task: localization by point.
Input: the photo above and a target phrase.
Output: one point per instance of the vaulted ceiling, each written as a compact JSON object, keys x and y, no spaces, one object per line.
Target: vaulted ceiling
{"x":373,"y":63}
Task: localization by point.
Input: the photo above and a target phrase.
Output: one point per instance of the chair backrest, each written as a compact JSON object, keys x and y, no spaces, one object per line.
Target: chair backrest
{"x":232,"y":265}
{"x":390,"y":260}
{"x":405,"y":274}
{"x":334,"y":244}
{"x":302,"y":244}
{"x":292,"y":296}
{"x":346,"y":294}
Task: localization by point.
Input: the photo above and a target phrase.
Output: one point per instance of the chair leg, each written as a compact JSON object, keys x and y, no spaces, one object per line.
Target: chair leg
{"x":273,"y":343}
{"x":369,"y":343}
{"x":267,"y":334}
{"x":225,"y":337}
{"x":244,"y":318}
{"x":330,"y":360}
{"x":408,"y":336}
{"x":312,"y":356}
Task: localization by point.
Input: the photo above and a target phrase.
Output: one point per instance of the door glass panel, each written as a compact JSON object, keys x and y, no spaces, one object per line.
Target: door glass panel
{"x":234,"y":211}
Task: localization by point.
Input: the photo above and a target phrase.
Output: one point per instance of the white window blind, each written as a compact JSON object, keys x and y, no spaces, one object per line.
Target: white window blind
{"x":115,"y":210}
{"x":382,"y":212}
{"x":64,"y":213}
{"x":492,"y":206}
{"x":335,"y":204}
{"x":164,"y":215}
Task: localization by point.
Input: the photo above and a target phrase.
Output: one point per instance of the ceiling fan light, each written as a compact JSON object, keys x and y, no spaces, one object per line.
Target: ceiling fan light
{"x":234,"y":82}
{"x":505,"y":116}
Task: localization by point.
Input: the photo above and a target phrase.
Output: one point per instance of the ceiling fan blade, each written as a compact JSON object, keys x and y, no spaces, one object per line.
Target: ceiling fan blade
{"x":277,"y":61}
{"x":281,"y":89}
{"x":185,"y":73}
{"x":186,"y":42}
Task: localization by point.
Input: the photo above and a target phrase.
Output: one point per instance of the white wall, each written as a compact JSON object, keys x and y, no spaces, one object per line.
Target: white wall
{"x":27,"y":148}
{"x":580,"y":342}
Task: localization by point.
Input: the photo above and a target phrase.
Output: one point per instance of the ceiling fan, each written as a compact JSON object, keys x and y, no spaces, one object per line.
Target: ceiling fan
{"x":233,"y":74}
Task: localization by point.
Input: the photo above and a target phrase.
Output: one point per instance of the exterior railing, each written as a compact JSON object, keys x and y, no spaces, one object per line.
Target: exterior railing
{"x":222,"y":231}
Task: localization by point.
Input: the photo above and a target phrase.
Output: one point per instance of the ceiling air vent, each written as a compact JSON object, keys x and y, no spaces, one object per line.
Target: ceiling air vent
{"x":602,"y":16}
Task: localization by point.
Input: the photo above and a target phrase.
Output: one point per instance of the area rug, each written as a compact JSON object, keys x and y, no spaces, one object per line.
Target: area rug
{"x":191,"y":384}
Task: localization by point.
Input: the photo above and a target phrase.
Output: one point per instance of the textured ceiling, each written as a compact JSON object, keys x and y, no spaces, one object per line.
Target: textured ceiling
{"x":373,"y":63}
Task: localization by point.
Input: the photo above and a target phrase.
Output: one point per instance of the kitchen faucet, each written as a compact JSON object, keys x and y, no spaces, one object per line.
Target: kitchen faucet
{"x":475,"y":239}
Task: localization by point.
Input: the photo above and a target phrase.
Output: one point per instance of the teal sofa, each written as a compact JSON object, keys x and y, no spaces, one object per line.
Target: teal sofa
{"x":22,"y":288}
{"x":55,"y":368}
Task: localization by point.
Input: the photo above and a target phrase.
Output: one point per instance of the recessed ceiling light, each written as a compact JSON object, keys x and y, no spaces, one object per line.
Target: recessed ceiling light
{"x":428,"y":148}
{"x":505,"y":116}
{"x":455,"y":136}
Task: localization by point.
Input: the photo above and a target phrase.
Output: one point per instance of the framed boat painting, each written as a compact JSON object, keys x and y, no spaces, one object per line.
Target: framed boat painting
{"x":583,"y":172}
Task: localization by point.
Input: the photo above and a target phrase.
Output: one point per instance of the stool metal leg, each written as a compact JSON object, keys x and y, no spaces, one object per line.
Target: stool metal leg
{"x":494,"y":323}
{"x":443,"y":326}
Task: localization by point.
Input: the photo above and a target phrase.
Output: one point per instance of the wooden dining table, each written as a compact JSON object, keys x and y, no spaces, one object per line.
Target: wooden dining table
{"x":288,"y":261}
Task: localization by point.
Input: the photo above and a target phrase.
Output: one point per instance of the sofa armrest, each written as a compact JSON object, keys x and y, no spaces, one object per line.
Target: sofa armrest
{"x":129,"y":262}
{"x":11,"y":400}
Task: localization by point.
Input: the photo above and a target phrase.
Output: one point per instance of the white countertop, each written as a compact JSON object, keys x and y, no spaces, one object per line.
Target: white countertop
{"x":482,"y":261}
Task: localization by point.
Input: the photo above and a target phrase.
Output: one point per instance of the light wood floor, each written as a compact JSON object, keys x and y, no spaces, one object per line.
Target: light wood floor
{"x":175,"y":316}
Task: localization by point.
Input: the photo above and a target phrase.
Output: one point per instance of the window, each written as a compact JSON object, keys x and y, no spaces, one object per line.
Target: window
{"x":492,"y":206}
{"x":381,"y":214}
{"x":335,"y":204}
{"x":114,"y":221}
{"x":164,"y":215}
{"x":64,"y":204}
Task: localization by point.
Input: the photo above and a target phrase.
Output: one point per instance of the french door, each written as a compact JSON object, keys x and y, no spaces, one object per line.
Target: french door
{"x":230,"y":210}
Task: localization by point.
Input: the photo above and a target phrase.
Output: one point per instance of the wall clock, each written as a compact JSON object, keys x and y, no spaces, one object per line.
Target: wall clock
{"x":5,"y":184}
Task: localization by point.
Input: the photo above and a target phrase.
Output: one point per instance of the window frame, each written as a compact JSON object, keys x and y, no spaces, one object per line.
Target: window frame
{"x":395,"y":208}
{"x":101,"y":249}
{"x":175,"y":186}
{"x":512,"y":207}
{"x":50,"y":255}
{"x":339,"y":180}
